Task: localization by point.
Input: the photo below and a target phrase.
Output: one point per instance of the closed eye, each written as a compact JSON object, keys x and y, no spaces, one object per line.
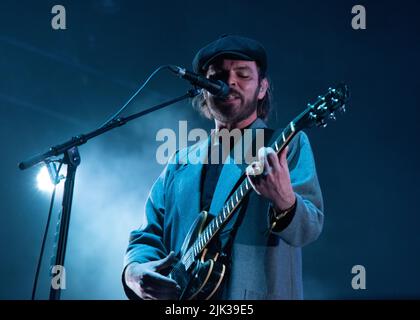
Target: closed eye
{"x":216,"y":76}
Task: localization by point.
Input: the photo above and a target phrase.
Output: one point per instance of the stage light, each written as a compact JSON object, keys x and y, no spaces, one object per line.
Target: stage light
{"x":45,"y":179}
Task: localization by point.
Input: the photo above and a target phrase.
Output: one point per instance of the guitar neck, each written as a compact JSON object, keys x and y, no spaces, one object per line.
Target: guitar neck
{"x":233,"y":201}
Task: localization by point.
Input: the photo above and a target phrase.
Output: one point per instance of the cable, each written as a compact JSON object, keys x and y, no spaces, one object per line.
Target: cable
{"x":41,"y":254}
{"x":136,"y":93}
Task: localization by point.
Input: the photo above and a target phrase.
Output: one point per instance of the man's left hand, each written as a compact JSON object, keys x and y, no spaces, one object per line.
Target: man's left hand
{"x":274,"y":181}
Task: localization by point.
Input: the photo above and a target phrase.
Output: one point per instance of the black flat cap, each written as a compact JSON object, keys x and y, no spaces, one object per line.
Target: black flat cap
{"x":230,"y":46}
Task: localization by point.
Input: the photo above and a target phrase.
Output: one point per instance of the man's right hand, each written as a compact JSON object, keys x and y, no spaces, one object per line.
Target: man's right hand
{"x":148,"y":283}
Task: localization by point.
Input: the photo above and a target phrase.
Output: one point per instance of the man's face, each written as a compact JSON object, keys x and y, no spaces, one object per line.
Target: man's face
{"x":245,"y":90}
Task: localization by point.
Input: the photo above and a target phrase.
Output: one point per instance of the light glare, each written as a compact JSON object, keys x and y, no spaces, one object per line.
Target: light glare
{"x":43,"y":180}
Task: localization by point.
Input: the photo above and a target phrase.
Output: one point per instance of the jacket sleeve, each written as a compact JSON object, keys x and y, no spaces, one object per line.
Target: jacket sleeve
{"x":308,"y":218}
{"x":146,"y":243}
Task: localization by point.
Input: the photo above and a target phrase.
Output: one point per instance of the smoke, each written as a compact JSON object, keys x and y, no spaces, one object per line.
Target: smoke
{"x":111,"y":188}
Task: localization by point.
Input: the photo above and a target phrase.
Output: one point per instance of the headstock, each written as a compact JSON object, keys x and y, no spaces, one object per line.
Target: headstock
{"x":325,"y":108}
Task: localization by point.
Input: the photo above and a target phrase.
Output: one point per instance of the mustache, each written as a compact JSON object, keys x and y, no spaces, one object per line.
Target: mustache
{"x":232,"y":92}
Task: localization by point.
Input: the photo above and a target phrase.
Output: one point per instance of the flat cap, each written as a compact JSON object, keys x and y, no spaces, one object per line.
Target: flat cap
{"x":230,"y":46}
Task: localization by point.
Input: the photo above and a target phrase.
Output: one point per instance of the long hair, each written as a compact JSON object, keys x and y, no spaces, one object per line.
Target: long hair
{"x":263,"y":107}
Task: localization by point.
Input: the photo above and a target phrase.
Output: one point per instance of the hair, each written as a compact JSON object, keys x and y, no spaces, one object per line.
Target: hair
{"x":263,"y":107}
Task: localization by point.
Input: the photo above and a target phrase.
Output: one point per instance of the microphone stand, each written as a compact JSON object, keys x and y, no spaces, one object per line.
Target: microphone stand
{"x":71,"y":158}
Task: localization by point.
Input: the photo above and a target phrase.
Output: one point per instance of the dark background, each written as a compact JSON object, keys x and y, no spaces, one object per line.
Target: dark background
{"x":58,"y":83}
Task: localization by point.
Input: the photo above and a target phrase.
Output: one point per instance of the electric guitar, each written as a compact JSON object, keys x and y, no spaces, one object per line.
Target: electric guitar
{"x":199,"y":272}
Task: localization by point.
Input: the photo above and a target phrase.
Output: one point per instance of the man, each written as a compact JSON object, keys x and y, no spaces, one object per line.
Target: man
{"x":282,"y":215}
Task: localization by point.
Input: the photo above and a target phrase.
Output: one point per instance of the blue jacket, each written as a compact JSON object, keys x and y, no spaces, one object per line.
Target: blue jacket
{"x":265,"y":265}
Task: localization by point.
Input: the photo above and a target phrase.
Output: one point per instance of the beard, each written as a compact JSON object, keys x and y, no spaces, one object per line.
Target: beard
{"x":234,"y":112}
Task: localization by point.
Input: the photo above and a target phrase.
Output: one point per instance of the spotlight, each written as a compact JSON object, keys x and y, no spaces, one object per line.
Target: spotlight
{"x":46,"y":176}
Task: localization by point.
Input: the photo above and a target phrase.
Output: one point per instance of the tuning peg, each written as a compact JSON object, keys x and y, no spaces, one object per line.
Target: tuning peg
{"x":312,"y":116}
{"x":332,"y":116}
{"x":322,"y":123}
{"x":322,"y":107}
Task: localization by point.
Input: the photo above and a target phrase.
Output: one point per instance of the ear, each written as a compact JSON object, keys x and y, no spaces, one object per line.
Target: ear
{"x":263,"y":89}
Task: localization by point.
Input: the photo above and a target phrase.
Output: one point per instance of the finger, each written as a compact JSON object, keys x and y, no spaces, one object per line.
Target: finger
{"x":146,"y":296}
{"x":283,"y":157}
{"x":162,"y":294}
{"x":254,"y":169}
{"x":262,"y":156}
{"x":166,"y":262}
{"x":273,"y":159}
{"x":155,"y":279}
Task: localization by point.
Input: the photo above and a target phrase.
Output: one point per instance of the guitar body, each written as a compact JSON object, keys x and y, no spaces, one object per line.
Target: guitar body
{"x":204,"y":277}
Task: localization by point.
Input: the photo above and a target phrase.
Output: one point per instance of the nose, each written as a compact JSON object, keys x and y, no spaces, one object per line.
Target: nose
{"x":232,"y":80}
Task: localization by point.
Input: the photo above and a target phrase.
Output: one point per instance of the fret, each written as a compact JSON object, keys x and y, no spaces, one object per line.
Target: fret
{"x":236,"y":195}
{"x":242,"y":193}
{"x":233,"y":206}
{"x":246,"y":184}
{"x":283,"y":137}
{"x":224,"y":212}
{"x":292,"y":126}
{"x":216,"y":222}
{"x":277,"y":147}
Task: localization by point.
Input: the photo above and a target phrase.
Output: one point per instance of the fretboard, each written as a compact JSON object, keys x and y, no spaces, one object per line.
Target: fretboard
{"x":232,"y":203}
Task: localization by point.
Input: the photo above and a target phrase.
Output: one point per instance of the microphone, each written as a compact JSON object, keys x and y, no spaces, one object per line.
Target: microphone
{"x":216,"y":87}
